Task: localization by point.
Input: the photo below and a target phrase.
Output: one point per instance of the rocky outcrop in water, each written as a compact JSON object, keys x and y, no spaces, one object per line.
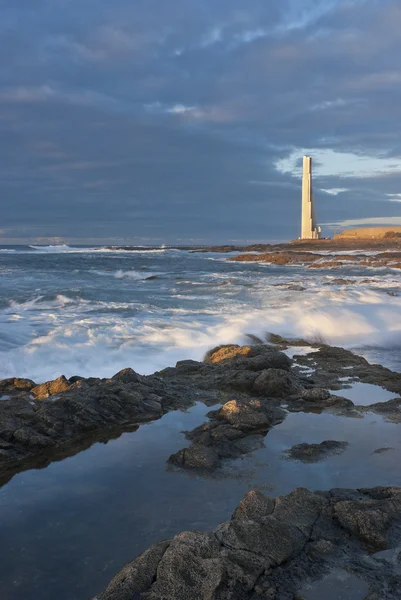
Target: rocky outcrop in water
{"x":42,"y":421}
{"x":315,"y":452}
{"x":301,"y":546}
{"x":254,"y":383}
{"x":239,"y":427}
{"x":314,"y":260}
{"x":38,"y":421}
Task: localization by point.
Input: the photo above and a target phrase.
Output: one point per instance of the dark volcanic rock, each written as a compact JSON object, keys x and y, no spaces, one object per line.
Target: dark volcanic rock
{"x":16,"y":385}
{"x":41,"y":423}
{"x":50,"y":388}
{"x":277,"y":550}
{"x":239,"y":427}
{"x":47,"y":421}
{"x":252,"y":358}
{"x":42,"y":420}
{"x":228,"y":351}
{"x":196,"y":456}
{"x":136,"y":577}
{"x":316,"y":452}
{"x":314,"y":399}
{"x":37,"y":423}
{"x":331,"y":363}
{"x":339,"y":281}
{"x":278,"y":258}
{"x":253,"y":506}
{"x":391,"y":409}
{"x":276,"y":383}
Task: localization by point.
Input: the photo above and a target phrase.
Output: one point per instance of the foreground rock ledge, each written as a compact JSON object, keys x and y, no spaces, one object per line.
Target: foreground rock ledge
{"x":256,"y":384}
{"x":297,"y":547}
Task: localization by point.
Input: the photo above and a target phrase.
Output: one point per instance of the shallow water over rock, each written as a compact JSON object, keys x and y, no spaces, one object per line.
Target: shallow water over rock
{"x":67,"y":529}
{"x":365,"y":394}
{"x":337,"y":586}
{"x":359,"y":465}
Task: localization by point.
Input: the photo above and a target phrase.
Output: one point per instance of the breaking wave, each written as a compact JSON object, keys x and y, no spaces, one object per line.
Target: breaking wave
{"x":75,"y":336}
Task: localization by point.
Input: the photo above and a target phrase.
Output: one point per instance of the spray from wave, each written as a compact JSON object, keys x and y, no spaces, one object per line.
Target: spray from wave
{"x":75,"y":336}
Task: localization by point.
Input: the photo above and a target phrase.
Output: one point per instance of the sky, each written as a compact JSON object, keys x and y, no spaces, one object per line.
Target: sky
{"x":185,"y":121}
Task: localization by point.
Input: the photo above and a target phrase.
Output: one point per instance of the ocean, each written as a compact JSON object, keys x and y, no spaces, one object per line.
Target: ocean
{"x":68,"y":528}
{"x":94,"y":311}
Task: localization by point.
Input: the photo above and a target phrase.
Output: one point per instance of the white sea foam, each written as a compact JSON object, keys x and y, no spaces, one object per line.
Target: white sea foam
{"x":64,"y":249}
{"x":73,"y":336}
{"x":64,"y":323}
{"x":131,"y":274}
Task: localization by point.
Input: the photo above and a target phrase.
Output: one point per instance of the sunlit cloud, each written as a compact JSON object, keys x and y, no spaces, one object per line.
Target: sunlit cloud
{"x":181,"y":109}
{"x":329,"y":162}
{"x":394,"y":197}
{"x":373,"y":221}
{"x":335,"y":191}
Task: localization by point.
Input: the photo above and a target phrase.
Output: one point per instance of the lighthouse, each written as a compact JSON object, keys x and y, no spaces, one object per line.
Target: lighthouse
{"x":309,"y":230}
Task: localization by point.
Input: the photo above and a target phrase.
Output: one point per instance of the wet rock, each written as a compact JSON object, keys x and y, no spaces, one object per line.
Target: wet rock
{"x":16,"y":385}
{"x":278,"y":549}
{"x":127,"y":376}
{"x":339,"y":281}
{"x":316,"y":452}
{"x":136,"y":577}
{"x":278,"y":258}
{"x":196,"y":456}
{"x":382,"y":450}
{"x":315,"y":395}
{"x":368,"y":520}
{"x":50,"y":388}
{"x":60,"y":414}
{"x":39,"y":422}
{"x":227,"y":352}
{"x":390,"y":409}
{"x":75,"y":379}
{"x":191,"y":568}
{"x":254,"y":506}
{"x":189,"y":366}
{"x":339,"y":585}
{"x":251,"y":358}
{"x":300,"y":508}
{"x":332,"y":364}
{"x":279,"y":341}
{"x":273,"y":540}
{"x":276,"y":383}
{"x":238,"y":428}
{"x":315,"y":399}
{"x":246,"y":416}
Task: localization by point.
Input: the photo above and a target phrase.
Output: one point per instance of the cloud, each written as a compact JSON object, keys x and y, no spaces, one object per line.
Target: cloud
{"x":335,"y":191}
{"x":394,"y":197}
{"x":373,"y":221}
{"x":329,"y":162}
{"x":189,"y":121}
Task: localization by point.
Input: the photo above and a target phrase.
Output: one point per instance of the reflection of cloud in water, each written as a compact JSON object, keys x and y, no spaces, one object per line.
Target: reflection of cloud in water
{"x":109,"y":503}
{"x":365,"y":393}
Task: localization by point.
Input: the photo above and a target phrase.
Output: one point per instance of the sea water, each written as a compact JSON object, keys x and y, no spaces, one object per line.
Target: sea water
{"x":93,"y":311}
{"x":68,"y":528}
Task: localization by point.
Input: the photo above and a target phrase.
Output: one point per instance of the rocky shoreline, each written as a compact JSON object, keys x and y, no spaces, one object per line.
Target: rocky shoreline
{"x":315,"y":260}
{"x":339,"y":544}
{"x":263,"y":554}
{"x":338,"y":244}
{"x":256,"y":385}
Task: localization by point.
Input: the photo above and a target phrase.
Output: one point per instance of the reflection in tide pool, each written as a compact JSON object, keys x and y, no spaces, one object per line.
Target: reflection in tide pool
{"x":365,"y":394}
{"x":67,"y":529}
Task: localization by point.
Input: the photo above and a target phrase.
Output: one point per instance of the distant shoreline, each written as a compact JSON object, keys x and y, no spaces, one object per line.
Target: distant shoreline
{"x":311,"y":245}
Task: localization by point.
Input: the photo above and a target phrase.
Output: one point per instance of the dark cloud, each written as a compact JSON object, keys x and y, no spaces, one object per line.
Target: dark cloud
{"x":147,"y":121}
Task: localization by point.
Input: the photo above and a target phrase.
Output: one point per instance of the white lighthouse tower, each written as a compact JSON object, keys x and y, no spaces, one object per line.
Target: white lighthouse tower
{"x":309,"y":229}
